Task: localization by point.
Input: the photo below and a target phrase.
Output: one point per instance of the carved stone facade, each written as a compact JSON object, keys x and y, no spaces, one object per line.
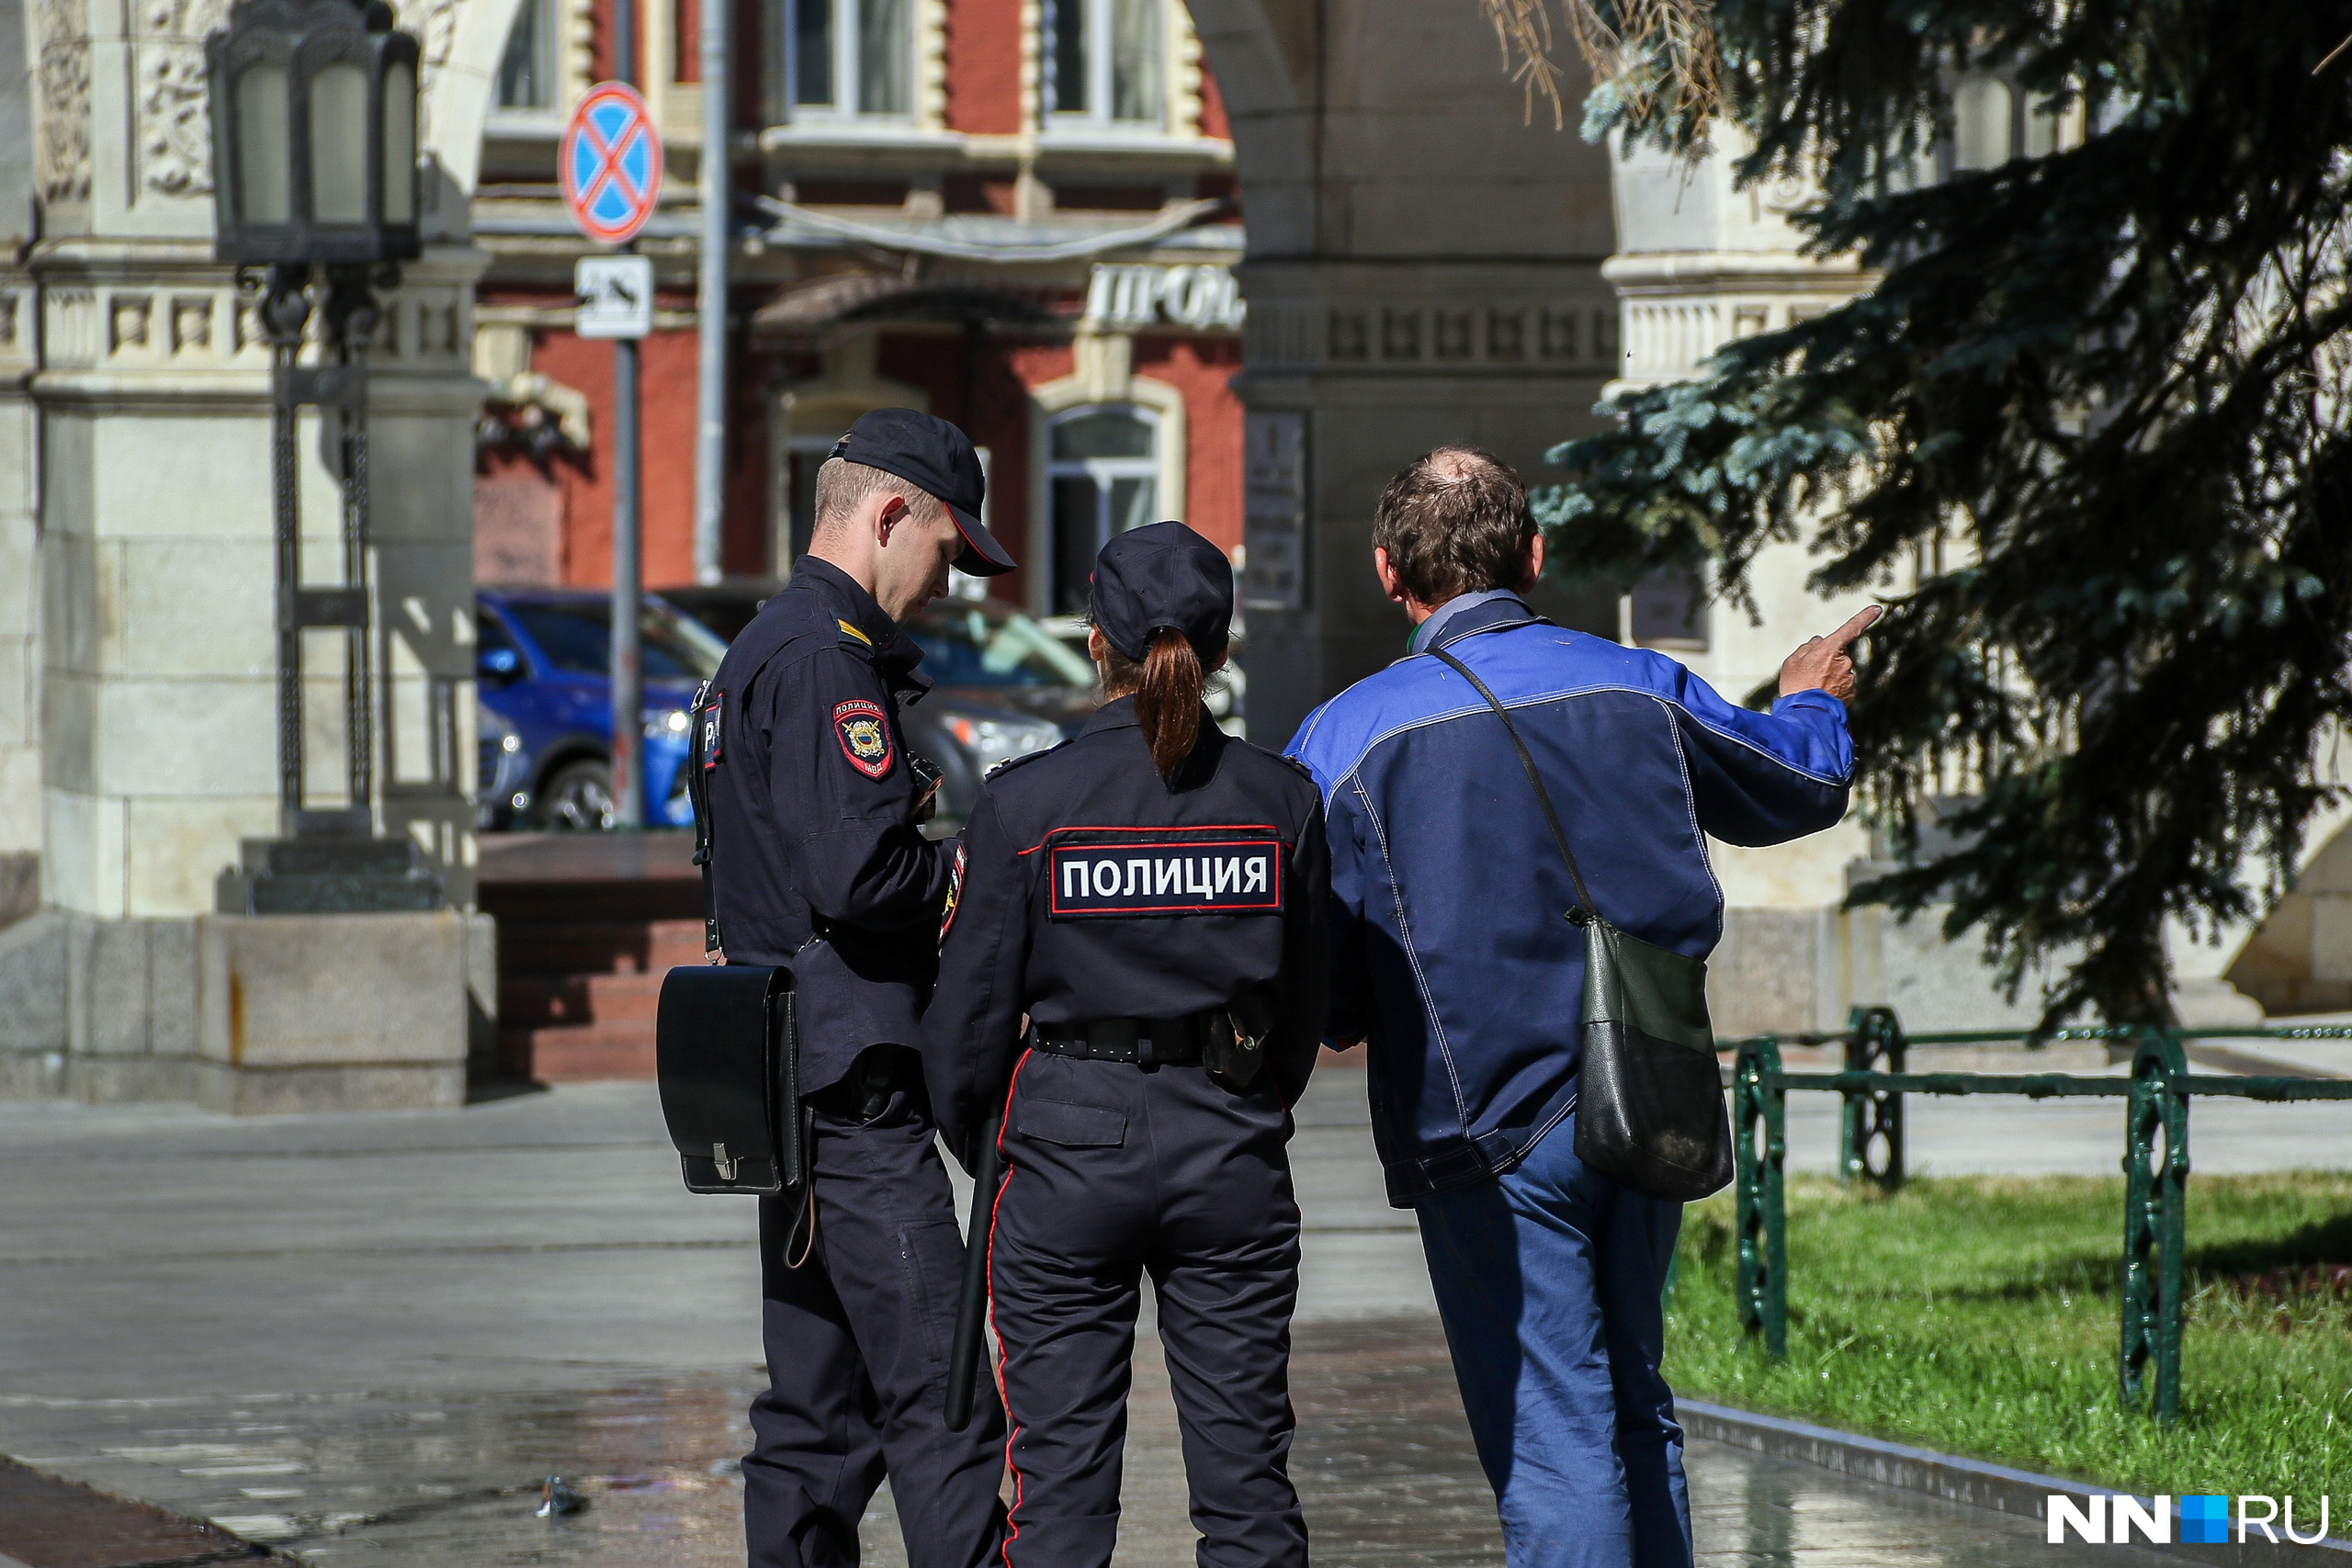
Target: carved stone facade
{"x":61,"y":104}
{"x":174,"y":129}
{"x":1565,"y":333}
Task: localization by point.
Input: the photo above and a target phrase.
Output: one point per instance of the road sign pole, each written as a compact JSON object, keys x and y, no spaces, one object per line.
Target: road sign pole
{"x":609,"y":160}
{"x":628,"y":555}
{"x":628,"y":702}
{"x":710,"y":374}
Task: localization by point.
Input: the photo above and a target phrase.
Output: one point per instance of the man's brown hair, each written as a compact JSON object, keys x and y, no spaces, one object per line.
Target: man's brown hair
{"x":1454,"y":521}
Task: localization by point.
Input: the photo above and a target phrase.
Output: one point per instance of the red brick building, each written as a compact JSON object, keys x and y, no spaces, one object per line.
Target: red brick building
{"x":1017,"y":215}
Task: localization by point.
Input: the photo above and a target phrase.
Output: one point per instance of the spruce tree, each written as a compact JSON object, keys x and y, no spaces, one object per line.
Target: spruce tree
{"x":2096,"y":401}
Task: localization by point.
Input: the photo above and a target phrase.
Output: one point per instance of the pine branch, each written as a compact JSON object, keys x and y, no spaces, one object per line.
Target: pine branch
{"x":1659,"y":56}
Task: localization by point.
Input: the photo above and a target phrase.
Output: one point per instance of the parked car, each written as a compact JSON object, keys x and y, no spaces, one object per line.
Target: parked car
{"x":1005,"y":685}
{"x":543,"y":660}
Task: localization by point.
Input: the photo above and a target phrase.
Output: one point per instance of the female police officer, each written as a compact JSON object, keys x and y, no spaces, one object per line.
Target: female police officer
{"x":1151,"y":895}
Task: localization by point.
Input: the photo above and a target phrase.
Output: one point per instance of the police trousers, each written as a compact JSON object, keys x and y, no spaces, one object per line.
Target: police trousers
{"x":1115,"y":1172}
{"x":857,"y":1345}
{"x":1548,"y":1280}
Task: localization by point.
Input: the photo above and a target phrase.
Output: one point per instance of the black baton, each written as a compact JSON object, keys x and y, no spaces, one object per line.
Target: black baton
{"x":972,"y":1306}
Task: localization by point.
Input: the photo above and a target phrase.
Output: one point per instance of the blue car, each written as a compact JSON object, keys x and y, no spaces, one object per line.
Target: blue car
{"x":542,"y":661}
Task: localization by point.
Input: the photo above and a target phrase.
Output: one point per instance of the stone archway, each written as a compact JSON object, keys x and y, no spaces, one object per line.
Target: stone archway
{"x":1424,"y":267}
{"x":464,"y":41}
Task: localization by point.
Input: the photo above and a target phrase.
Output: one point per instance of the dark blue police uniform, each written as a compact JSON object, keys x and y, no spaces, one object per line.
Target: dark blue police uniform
{"x":820,"y":866}
{"x":1136,"y":921}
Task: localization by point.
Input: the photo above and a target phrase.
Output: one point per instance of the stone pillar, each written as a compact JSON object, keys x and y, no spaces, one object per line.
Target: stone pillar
{"x":19,"y":599}
{"x":158,"y":658}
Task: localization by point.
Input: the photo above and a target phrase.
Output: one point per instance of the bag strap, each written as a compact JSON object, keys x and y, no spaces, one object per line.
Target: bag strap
{"x":699,"y":748}
{"x":1590,"y":911}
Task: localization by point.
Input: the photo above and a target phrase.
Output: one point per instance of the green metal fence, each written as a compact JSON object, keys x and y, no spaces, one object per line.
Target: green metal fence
{"x":1875,"y":1078}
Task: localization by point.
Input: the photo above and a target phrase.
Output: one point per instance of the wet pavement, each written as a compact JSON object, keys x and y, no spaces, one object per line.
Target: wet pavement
{"x":1384,"y":1465}
{"x":364,"y":1340}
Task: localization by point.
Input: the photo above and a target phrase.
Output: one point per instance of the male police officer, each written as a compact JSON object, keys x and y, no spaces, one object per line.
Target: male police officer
{"x":820,"y":866}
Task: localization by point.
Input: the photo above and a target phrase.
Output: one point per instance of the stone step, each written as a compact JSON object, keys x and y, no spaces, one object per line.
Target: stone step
{"x":596,"y":947}
{"x":583,"y":1053}
{"x":533,"y":1000}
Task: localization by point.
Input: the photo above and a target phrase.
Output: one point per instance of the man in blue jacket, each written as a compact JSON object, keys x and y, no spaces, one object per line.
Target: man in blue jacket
{"x":1452,"y":957}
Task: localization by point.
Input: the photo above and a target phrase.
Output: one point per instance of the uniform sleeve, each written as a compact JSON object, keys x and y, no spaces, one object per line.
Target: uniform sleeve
{"x":865,"y":862}
{"x":1764,"y":778}
{"x":1350,"y":998}
{"x":1305,"y":973}
{"x":971,"y":1033}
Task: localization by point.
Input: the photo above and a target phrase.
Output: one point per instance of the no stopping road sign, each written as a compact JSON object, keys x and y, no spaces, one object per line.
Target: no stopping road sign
{"x":610,"y":164}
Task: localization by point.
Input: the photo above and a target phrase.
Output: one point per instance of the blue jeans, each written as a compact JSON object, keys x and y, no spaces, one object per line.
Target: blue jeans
{"x":1548,"y":1280}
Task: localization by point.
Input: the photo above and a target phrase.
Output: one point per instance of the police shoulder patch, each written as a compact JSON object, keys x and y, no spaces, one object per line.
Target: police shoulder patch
{"x":864,"y":730}
{"x":1100,"y":871}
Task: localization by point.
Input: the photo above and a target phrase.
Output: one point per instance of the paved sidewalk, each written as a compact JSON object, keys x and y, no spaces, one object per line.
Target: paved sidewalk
{"x":366,"y":1338}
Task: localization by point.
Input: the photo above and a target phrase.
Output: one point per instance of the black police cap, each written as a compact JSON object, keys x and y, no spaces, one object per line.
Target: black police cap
{"x":935,"y":456}
{"x":1163,"y":575}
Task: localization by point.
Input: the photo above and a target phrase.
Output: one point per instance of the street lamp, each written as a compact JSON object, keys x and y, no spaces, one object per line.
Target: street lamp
{"x":314,"y":198}
{"x":314,"y":134}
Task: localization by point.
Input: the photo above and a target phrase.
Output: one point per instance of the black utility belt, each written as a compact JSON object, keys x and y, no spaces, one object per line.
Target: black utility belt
{"x":1151,"y":1041}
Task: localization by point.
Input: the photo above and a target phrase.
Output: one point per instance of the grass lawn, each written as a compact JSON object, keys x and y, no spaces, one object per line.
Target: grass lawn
{"x":1978,"y":1315}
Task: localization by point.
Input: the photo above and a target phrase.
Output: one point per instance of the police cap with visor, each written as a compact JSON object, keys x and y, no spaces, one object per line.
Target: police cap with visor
{"x":1162,"y":576}
{"x":936,"y":458}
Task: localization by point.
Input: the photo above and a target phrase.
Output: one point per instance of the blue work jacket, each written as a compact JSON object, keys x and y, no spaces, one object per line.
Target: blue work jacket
{"x":1452,"y":954}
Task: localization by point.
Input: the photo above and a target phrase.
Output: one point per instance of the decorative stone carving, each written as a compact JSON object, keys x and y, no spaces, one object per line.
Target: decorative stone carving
{"x":175,"y":133}
{"x":1451,"y":336}
{"x":192,"y":323}
{"x":174,"y":128}
{"x":930,"y":65}
{"x":1350,"y":333}
{"x":1506,"y":334}
{"x":63,"y":73}
{"x":1400,"y":334}
{"x":129,"y":318}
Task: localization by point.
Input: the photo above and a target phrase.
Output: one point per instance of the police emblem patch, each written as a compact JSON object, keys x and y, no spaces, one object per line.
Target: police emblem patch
{"x":864,"y":730}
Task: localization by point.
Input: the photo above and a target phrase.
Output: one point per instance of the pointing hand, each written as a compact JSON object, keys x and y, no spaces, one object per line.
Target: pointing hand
{"x":1825,"y":663}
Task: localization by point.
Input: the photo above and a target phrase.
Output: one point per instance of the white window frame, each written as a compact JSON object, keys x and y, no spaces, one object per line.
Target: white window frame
{"x":844,"y":106}
{"x":1097,"y":117}
{"x":549,"y":58}
{"x":1102,"y":472}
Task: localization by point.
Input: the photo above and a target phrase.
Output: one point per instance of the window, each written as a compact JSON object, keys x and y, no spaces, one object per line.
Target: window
{"x":527,"y":76}
{"x":1104,"y":473}
{"x":1666,"y":609}
{"x":1106,"y":59}
{"x":850,"y":56}
{"x":1981,"y":124}
{"x":1991,"y":123}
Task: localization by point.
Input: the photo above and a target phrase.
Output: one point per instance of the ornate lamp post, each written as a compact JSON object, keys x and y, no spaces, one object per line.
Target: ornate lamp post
{"x":315,"y":197}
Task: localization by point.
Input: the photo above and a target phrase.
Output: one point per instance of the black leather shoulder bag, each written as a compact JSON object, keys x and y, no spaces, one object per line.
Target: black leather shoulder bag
{"x":726,"y":1051}
{"x":1650,"y":1108}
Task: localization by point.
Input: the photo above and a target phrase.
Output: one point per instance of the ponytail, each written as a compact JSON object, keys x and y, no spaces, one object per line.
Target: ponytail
{"x":1167,"y":688}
